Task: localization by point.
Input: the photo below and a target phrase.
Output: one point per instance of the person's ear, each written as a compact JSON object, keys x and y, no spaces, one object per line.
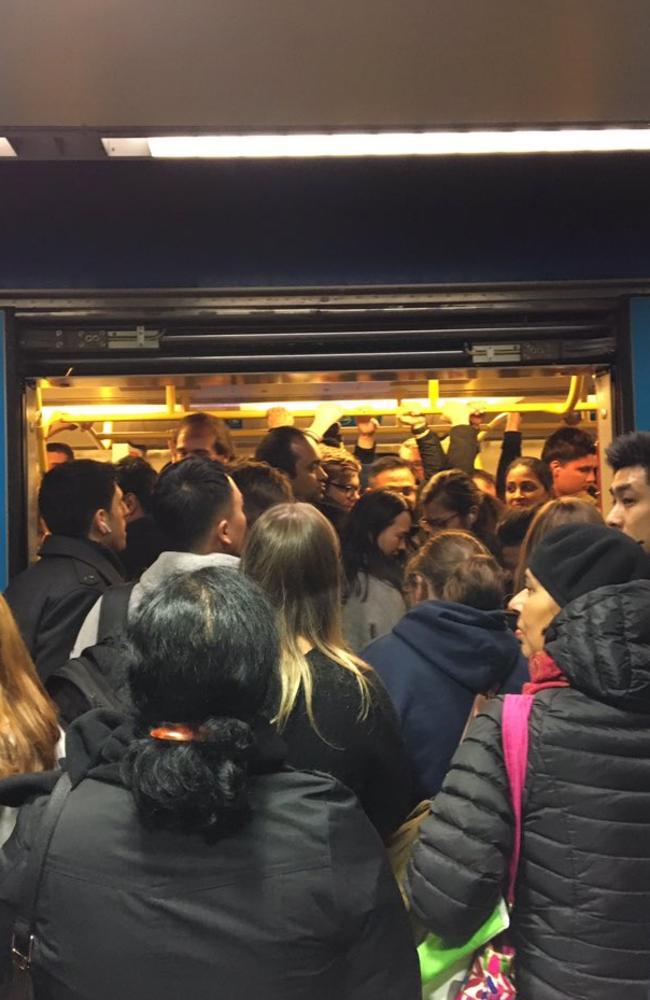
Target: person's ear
{"x":130,"y":502}
{"x":472,"y":516}
{"x":555,"y":467}
{"x":222,"y":532}
{"x":101,"y":523}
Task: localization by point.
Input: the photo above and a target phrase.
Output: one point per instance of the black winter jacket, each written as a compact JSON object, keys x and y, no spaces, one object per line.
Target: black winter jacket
{"x":581,"y":922}
{"x":368,"y":755}
{"x":299,"y":903}
{"x":51,"y":599}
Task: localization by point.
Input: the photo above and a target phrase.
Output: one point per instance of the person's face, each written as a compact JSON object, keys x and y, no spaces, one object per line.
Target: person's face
{"x":572,"y":478}
{"x":523,"y":488}
{"x":392,"y":540}
{"x":343,"y":490}
{"x":631,"y":510}
{"x":310,"y":478}
{"x":116,"y":520}
{"x":536,"y":609}
{"x":235,"y":524}
{"x":195,"y":441}
{"x":437,"y":517}
{"x":56,"y":458}
{"x":400,"y":480}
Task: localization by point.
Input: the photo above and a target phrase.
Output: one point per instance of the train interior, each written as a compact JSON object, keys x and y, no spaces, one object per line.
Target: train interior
{"x":107,"y":417}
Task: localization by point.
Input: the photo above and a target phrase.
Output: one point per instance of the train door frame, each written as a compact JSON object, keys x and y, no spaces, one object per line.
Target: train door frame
{"x":66,"y":307}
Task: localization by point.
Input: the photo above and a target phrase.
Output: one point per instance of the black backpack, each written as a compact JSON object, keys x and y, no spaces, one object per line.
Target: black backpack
{"x":97,"y":678}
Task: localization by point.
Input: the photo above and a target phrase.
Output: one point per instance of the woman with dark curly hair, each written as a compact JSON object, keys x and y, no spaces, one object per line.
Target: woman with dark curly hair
{"x":188,"y":861}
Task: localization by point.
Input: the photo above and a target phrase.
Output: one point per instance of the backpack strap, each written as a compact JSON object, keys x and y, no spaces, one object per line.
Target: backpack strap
{"x":22,"y":941}
{"x":514,"y":735}
{"x":114,"y":610}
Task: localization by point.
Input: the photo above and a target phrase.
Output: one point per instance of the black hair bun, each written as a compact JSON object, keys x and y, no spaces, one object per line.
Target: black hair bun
{"x":232,"y":737}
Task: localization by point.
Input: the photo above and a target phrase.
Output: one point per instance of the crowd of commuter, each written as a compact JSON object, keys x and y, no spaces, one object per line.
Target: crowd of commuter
{"x":259,"y":676}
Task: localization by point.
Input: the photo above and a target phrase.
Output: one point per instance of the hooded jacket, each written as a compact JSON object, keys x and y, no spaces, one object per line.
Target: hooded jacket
{"x":581,"y":920}
{"x":166,"y":565}
{"x":299,"y":902}
{"x":435,"y":661}
{"x":50,"y":599}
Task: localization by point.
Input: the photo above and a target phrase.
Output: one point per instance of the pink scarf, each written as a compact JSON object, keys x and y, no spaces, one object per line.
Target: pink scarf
{"x":544,"y":673}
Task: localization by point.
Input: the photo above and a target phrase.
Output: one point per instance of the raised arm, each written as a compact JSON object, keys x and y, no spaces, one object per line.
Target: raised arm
{"x":510,"y":450}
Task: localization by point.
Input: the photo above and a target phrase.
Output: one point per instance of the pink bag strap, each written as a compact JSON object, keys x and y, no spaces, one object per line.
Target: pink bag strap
{"x":514,"y":735}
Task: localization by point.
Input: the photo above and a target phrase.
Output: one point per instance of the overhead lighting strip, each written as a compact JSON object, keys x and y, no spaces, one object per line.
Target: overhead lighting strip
{"x":347,"y":144}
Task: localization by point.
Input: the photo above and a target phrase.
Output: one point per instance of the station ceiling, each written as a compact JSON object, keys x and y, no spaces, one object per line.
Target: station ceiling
{"x":73,"y":71}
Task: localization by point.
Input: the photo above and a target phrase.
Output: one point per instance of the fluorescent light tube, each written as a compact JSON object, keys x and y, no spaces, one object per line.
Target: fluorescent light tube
{"x":347,"y":144}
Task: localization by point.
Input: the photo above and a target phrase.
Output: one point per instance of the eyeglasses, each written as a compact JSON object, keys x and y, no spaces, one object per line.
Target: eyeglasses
{"x":346,"y":488}
{"x":436,"y":522}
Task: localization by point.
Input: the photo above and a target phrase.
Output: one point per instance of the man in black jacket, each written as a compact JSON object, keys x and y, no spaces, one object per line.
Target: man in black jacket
{"x":82,"y":506}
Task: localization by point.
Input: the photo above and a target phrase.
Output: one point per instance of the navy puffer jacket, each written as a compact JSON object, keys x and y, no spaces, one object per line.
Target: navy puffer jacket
{"x":581,"y":922}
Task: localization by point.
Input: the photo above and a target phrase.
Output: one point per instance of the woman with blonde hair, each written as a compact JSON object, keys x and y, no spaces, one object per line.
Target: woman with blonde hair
{"x":29,"y":731}
{"x":332,"y":710}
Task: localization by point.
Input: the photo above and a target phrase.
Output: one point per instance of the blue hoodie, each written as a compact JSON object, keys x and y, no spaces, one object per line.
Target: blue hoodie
{"x":436,"y":660}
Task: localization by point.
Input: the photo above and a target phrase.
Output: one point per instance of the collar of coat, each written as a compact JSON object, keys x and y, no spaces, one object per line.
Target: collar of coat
{"x":99,"y":557}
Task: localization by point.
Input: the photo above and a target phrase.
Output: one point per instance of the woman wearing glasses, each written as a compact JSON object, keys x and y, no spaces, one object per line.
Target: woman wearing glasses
{"x":343,"y":486}
{"x":451,"y":500}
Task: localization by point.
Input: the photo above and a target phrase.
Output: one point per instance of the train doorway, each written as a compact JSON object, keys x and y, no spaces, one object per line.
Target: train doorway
{"x":106,"y":379}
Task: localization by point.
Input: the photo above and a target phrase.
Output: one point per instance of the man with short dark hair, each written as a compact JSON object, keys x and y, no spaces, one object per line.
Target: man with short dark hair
{"x":629,"y":457}
{"x":204,"y":436}
{"x":58,"y":452}
{"x":199,"y":511}
{"x":261,"y":487}
{"x":294,"y":452}
{"x":393,"y":473}
{"x":571,"y":456}
{"x":81,"y":505}
{"x":144,"y":543}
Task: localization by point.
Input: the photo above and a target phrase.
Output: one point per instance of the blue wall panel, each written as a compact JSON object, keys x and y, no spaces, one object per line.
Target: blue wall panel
{"x":640,"y":338}
{"x":167,"y":224}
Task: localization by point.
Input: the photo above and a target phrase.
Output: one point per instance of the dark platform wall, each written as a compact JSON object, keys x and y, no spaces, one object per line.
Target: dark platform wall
{"x":277,"y":224}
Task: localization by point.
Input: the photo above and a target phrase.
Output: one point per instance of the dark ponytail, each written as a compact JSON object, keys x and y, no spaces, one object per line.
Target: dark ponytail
{"x":205,"y":642}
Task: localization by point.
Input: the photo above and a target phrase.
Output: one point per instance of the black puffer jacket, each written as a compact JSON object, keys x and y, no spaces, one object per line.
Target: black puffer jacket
{"x":299,"y":903}
{"x":581,"y":922}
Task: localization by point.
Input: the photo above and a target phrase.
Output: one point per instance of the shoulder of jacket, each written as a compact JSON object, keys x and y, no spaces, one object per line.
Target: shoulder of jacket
{"x":85,"y":574}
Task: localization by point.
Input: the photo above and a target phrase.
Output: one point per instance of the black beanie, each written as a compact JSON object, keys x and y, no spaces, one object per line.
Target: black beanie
{"x":578,"y":558}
